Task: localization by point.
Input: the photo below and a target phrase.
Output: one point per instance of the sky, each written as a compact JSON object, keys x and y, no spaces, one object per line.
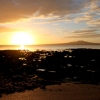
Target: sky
{"x":49,"y":21}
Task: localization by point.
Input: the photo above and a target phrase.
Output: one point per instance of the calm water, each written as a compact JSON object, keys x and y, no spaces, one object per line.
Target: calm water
{"x":46,"y":47}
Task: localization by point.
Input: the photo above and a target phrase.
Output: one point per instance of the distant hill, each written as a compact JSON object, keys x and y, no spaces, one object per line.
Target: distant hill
{"x":81,"y":43}
{"x":74,"y":43}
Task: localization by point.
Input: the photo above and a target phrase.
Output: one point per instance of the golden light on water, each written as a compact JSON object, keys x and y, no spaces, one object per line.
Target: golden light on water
{"x":22,"y":38}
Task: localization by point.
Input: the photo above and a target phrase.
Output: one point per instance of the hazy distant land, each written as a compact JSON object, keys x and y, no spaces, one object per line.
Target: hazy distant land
{"x":80,"y":42}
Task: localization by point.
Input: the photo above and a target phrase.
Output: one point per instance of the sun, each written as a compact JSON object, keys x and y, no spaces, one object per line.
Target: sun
{"x":22,"y":38}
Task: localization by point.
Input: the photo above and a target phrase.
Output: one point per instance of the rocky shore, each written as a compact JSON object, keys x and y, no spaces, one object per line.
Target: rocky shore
{"x":22,"y":70}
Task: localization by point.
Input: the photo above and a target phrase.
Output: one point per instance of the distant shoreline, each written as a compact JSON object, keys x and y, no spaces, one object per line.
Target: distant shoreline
{"x":50,"y":44}
{"x":69,"y":43}
{"x":49,"y":47}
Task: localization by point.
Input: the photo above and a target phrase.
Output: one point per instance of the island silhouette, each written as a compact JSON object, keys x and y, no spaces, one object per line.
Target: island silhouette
{"x":81,"y":42}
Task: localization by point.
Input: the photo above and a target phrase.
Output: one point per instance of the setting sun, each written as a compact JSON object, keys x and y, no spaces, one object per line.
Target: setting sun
{"x":22,"y":38}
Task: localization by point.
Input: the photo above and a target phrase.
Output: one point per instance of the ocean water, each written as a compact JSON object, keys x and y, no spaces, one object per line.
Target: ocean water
{"x":46,"y":47}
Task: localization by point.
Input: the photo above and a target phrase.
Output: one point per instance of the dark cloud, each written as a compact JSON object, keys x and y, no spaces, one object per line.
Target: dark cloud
{"x":12,"y":10}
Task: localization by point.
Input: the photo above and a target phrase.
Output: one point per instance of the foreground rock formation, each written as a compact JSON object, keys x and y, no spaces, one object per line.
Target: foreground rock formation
{"x":22,"y":70}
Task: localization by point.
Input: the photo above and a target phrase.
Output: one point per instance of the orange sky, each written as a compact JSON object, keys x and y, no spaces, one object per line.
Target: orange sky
{"x":49,"y":21}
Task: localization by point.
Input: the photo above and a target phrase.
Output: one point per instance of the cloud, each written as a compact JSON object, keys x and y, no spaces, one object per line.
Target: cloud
{"x":54,"y":19}
{"x":84,"y":36}
{"x":6,"y":29}
{"x":13,"y":10}
{"x":95,"y":23}
{"x":84,"y":33}
{"x":95,"y":6}
{"x":84,"y":18}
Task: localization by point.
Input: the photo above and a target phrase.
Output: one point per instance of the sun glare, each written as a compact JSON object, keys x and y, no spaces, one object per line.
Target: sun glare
{"x":22,"y":47}
{"x":22,"y":38}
